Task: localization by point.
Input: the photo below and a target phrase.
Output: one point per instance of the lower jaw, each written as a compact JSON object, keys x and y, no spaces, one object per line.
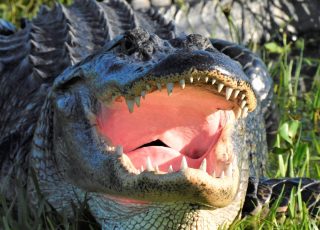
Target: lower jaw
{"x":170,"y":215}
{"x":186,"y":185}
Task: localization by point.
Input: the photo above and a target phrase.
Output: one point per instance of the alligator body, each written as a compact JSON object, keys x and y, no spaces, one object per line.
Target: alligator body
{"x":156,"y":130}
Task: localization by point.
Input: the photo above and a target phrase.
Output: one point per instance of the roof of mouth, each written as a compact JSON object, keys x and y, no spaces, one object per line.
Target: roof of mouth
{"x":216,"y":81}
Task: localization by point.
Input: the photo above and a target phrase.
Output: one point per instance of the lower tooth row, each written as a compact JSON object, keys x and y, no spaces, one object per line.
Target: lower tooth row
{"x":184,"y":166}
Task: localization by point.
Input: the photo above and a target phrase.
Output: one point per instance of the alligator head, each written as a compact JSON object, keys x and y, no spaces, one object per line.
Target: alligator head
{"x":152,"y":130}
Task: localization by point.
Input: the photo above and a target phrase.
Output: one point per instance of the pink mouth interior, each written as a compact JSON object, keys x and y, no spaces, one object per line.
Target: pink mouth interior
{"x":190,"y":122}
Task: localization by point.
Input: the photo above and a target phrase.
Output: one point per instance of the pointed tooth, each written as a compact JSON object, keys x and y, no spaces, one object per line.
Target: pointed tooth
{"x":243,"y":96}
{"x":124,"y":157}
{"x":220,"y":87}
{"x":182,"y":83}
{"x":228,"y":93}
{"x":229,"y":170}
{"x":138,"y":171}
{"x":159,"y":86}
{"x":236,"y":93}
{"x":141,"y":169}
{"x":222,"y":175}
{"x":244,"y":112}
{"x":213,"y":174}
{"x":184,"y":164}
{"x":157,"y":168}
{"x":203,"y":165}
{"x":130,"y":104}
{"x":169,"y":88}
{"x":213,"y":81}
{"x":243,"y":103}
{"x":206,"y":79}
{"x":126,"y":160}
{"x":198,"y":78}
{"x":149,"y":164}
{"x":170,"y":169}
{"x":143,"y":94}
{"x":119,"y":150}
{"x":137,"y":100}
{"x":191,"y":79}
{"x":109,"y":148}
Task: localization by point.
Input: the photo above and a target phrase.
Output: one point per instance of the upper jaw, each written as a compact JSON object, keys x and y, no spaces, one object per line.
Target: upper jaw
{"x":134,"y":78}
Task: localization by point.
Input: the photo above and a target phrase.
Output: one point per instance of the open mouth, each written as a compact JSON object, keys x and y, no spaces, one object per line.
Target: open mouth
{"x":181,"y":129}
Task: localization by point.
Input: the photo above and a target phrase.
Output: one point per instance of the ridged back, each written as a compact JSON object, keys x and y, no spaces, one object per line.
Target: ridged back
{"x":32,"y":57}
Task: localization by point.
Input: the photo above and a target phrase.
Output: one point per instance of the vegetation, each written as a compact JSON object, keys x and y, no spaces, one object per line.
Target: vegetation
{"x":296,"y":152}
{"x":14,"y":10}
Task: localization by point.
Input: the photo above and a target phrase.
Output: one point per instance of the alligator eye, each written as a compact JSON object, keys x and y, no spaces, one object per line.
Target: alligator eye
{"x":129,"y":46}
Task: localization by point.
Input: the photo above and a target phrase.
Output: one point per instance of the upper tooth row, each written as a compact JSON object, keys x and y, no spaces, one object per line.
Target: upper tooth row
{"x":235,"y":93}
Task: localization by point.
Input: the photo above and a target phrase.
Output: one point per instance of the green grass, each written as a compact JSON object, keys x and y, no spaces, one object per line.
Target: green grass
{"x":14,"y":10}
{"x":296,"y":152}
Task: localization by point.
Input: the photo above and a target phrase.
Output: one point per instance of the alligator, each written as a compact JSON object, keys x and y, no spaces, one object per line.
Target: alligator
{"x":154,"y":129}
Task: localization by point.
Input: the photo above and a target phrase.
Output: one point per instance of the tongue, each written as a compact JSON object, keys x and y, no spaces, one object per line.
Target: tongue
{"x":161,"y":156}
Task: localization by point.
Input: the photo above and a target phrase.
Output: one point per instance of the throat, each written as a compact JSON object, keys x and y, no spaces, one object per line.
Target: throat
{"x":153,"y":143}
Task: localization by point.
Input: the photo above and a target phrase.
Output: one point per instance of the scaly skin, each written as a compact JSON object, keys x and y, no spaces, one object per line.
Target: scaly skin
{"x":74,"y":102}
{"x":57,"y":131}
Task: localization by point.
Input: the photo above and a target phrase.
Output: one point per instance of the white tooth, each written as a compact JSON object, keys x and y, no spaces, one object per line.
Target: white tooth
{"x":244,"y":112}
{"x":138,"y":171}
{"x":159,"y":86}
{"x":213,"y":174}
{"x":220,"y":87}
{"x":222,"y":175}
{"x":229,"y":170}
{"x":236,"y":93}
{"x":126,"y":160}
{"x":143,"y":94}
{"x":182,"y":83}
{"x":206,"y":79}
{"x":142,"y":169}
{"x":203,"y":165}
{"x":137,"y":100}
{"x":243,"y":103}
{"x":243,"y":96}
{"x":199,"y":78}
{"x":170,"y":169}
{"x":119,"y":150}
{"x":157,"y":168}
{"x":130,"y":104}
{"x":228,"y":93}
{"x":213,"y":81}
{"x":124,"y":157}
{"x":191,"y":79}
{"x":149,"y":164}
{"x":184,"y":164}
{"x":109,"y":148}
{"x":169,"y":88}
